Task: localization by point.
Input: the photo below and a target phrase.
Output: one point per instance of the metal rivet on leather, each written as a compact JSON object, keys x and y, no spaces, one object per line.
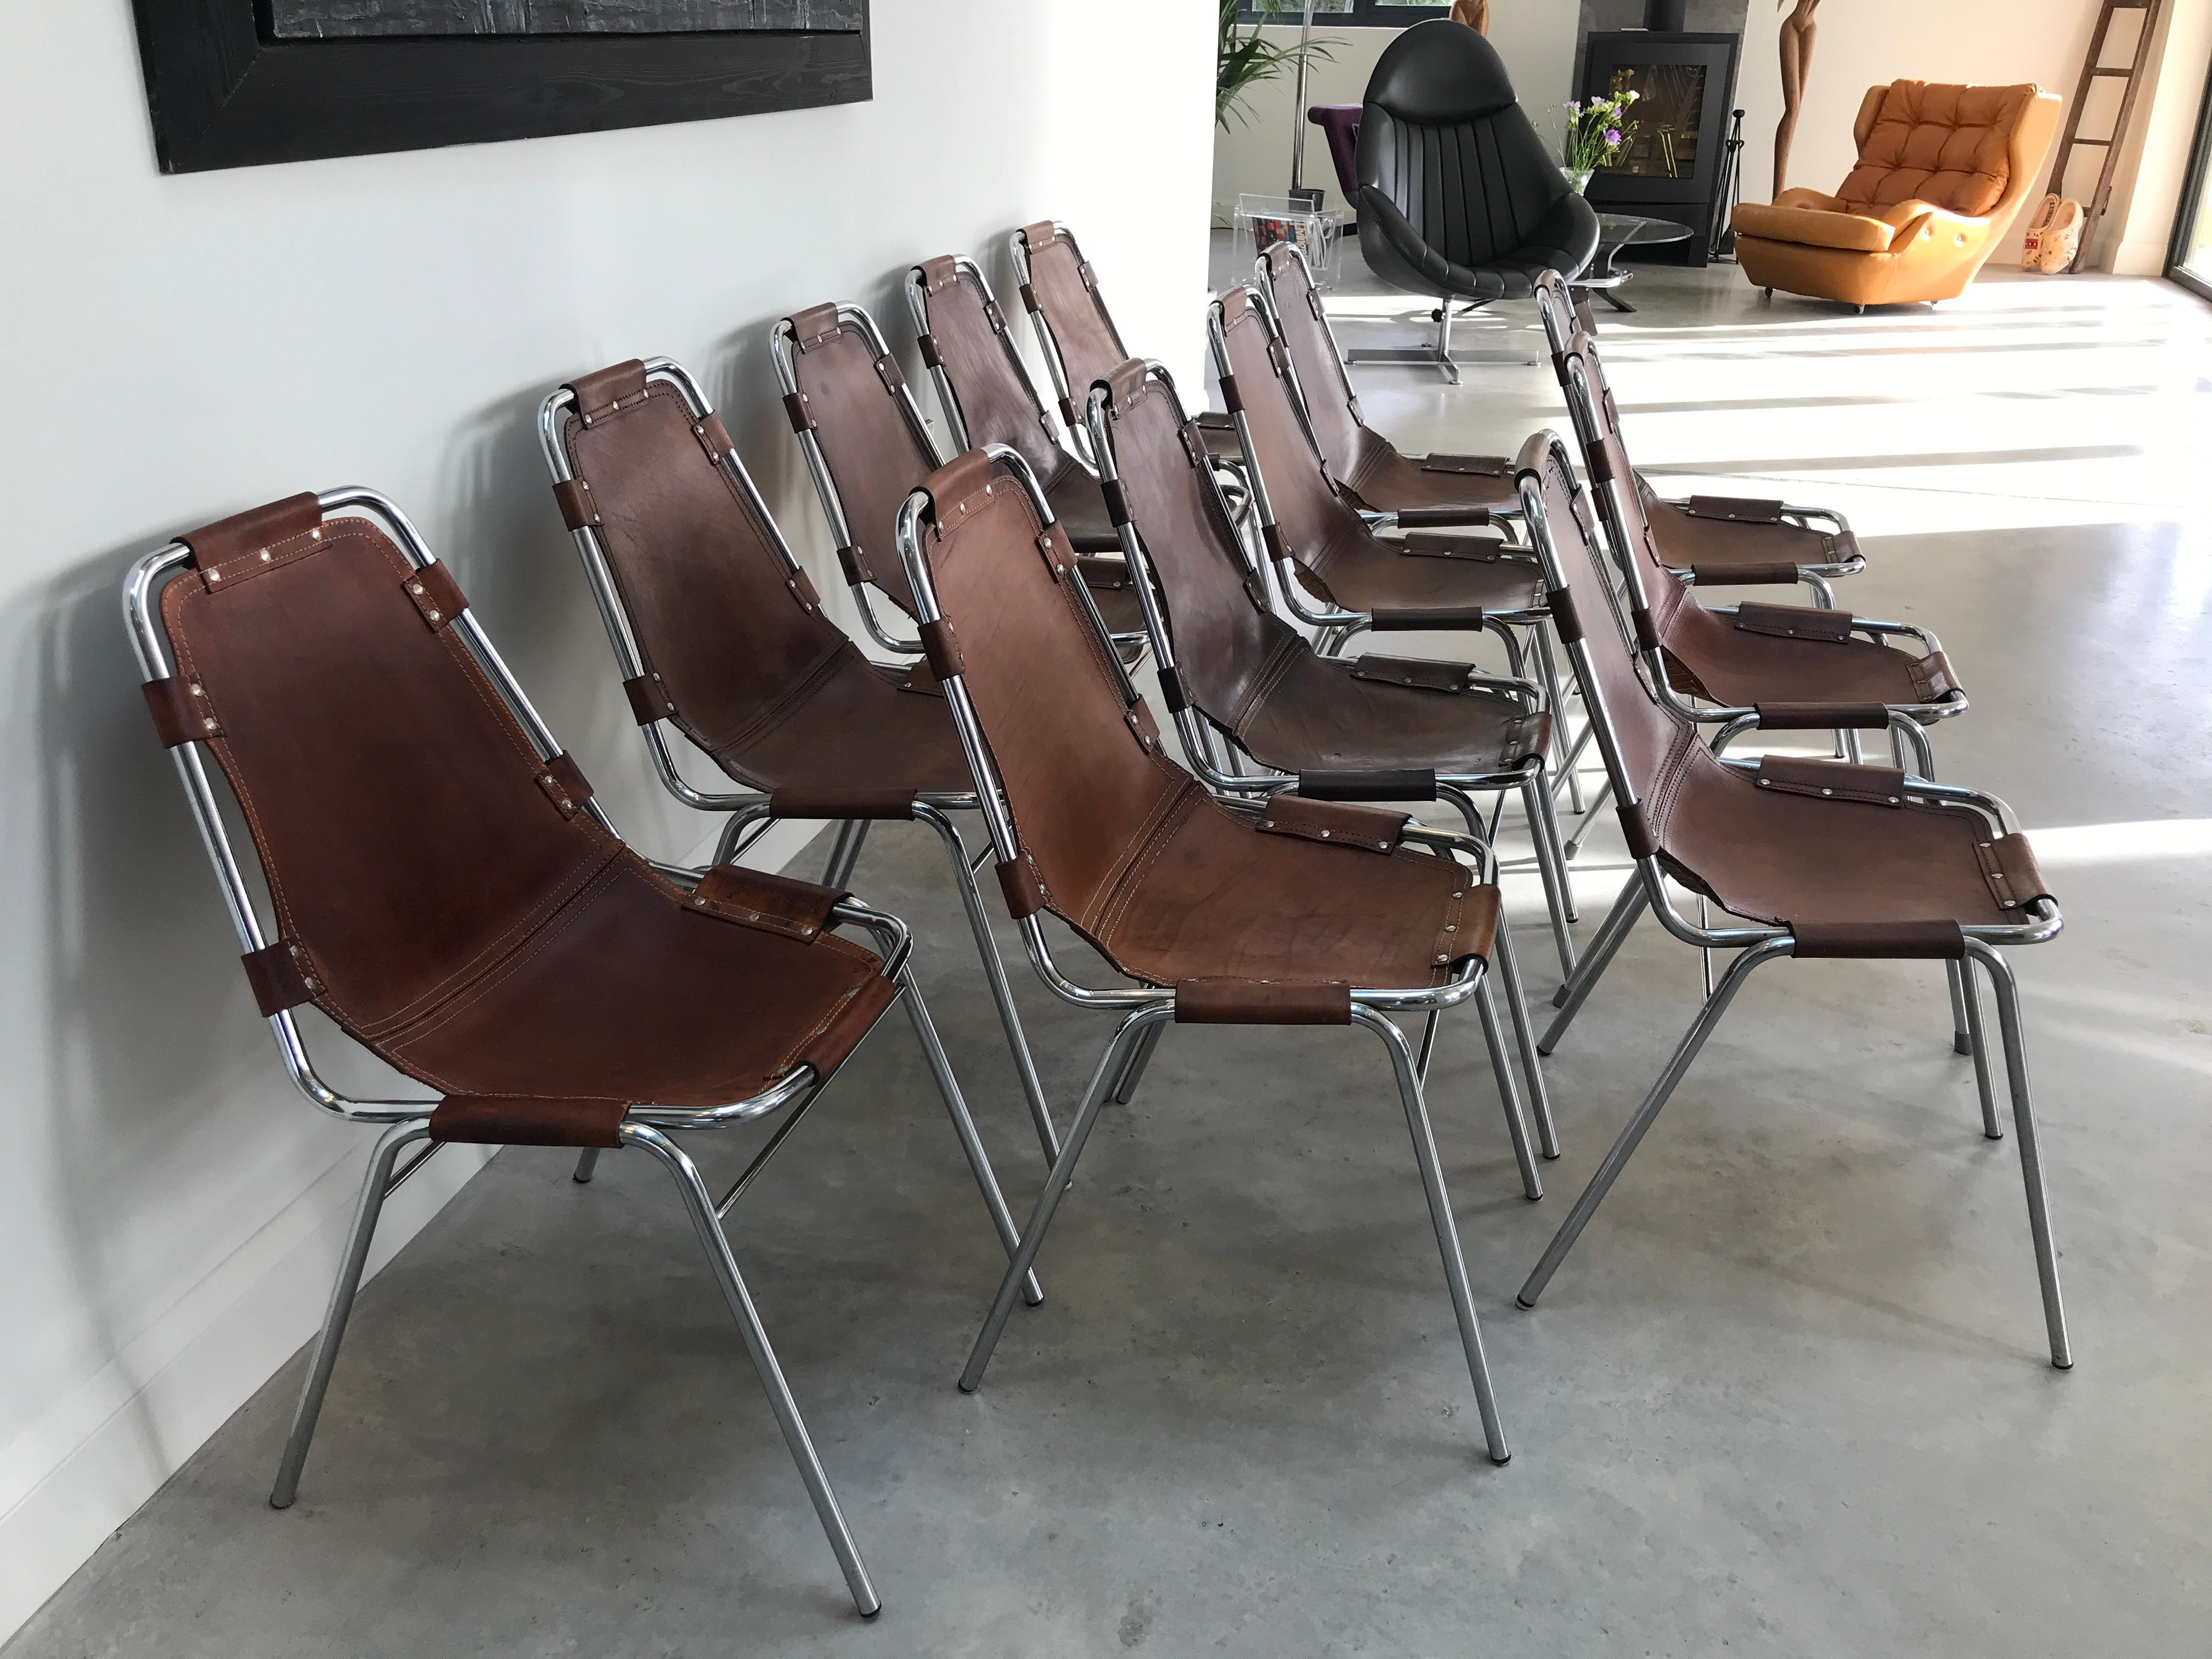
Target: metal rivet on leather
{"x":700,"y":903}
{"x":1324,"y":834}
{"x":433,"y":615}
{"x":413,"y":587}
{"x":215,"y":576}
{"x":209,"y":722}
{"x":1451,"y":927}
{"x":311,"y":982}
{"x":265,"y":556}
{"x":568,"y":806}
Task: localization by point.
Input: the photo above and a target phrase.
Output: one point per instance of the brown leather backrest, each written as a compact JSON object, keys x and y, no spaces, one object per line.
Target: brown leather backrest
{"x":1331,"y":404}
{"x":411,"y":835}
{"x":1650,"y":735}
{"x":1951,"y":145}
{"x":1312,"y":519}
{"x":1225,"y":639}
{"x":711,"y":604}
{"x":1063,"y":289}
{"x":997,"y":403}
{"x":875,"y":457}
{"x":1084,"y":786}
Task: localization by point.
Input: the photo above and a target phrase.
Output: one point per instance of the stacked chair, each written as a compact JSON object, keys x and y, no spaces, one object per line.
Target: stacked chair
{"x":441,"y":882}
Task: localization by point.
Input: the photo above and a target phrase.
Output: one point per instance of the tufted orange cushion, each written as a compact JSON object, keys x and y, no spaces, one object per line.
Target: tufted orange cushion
{"x":1949,"y":145}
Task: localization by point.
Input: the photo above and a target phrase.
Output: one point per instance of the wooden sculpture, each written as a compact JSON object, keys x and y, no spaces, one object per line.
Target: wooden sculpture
{"x":1798,"y":31}
{"x":1475,"y":13}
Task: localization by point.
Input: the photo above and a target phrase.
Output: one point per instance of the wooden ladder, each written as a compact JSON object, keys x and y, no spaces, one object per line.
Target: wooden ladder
{"x":2093,"y":70}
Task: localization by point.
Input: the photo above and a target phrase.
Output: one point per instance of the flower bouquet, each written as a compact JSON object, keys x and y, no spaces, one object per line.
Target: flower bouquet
{"x":1597,"y":131}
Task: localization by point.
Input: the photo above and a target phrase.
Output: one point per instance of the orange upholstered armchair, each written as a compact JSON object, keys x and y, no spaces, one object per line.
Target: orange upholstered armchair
{"x":1941,"y":173}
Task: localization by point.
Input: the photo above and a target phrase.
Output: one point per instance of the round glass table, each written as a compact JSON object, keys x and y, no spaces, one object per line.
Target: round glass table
{"x":1616,"y":231}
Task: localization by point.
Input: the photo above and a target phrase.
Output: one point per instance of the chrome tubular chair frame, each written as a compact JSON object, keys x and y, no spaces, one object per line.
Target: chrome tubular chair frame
{"x":1759,"y":945}
{"x":782,"y":343}
{"x":1145,"y":1008}
{"x":948,"y":396}
{"x":1200,"y":732}
{"x":404,"y":1123}
{"x":751,"y":811}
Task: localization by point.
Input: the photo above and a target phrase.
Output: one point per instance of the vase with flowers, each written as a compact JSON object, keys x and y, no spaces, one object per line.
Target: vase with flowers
{"x":1598,"y":129}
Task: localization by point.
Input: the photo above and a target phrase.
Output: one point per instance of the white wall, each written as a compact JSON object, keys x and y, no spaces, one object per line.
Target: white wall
{"x":1536,"y":38}
{"x":176,"y":349}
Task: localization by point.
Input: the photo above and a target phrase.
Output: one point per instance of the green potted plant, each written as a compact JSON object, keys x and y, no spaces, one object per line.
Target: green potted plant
{"x":1246,"y":56}
{"x":1597,"y":131}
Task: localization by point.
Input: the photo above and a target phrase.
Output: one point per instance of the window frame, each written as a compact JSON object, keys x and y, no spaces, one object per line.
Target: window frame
{"x":2191,"y":205}
{"x":1363,"y":14}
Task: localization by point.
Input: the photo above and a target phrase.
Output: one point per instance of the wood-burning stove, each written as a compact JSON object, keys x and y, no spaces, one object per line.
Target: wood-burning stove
{"x":1686,"y":87}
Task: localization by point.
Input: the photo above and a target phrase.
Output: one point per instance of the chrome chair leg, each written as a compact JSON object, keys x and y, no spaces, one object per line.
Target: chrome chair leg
{"x":963,"y":1124}
{"x":995,"y":975}
{"x":725,"y":1263}
{"x":1555,"y":701}
{"x":1524,"y":1038}
{"x":1617,"y":1158}
{"x":586,"y":1163}
{"x":1124,"y":1088}
{"x":1574,"y":843}
{"x":844,"y":853}
{"x":366,"y":1208}
{"x":1966,"y":997}
{"x":1551,"y":864}
{"x":1055,"y":1188}
{"x":1428,"y":1049}
{"x":1610,"y":933}
{"x":1509,"y":1092}
{"x":1447,"y":1228}
{"x":2031,"y":1156}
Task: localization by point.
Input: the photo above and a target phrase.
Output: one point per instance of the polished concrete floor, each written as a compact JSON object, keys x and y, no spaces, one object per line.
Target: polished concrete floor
{"x":1789,"y":1395}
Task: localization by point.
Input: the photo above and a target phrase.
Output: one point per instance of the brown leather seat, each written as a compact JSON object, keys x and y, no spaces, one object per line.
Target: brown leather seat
{"x":736,"y":651}
{"x":1128,"y":848}
{"x":448,"y":897}
{"x":1255,"y":676}
{"x":1841,"y":854}
{"x":1315,"y":527}
{"x":1725,"y":540}
{"x":1060,"y":292}
{"x":1780,"y":658}
{"x":1362,"y":461}
{"x":1941,"y":173}
{"x":988,"y":398}
{"x":851,"y":401}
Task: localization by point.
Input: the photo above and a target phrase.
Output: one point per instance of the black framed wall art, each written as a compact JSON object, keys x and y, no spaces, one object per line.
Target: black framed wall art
{"x":240,"y":82}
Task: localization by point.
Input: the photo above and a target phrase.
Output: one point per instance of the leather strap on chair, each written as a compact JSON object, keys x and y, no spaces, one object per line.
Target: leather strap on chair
{"x":1641,"y":843}
{"x":1017,"y":879}
{"x":802,"y":589}
{"x":1646,"y":630}
{"x":244,"y":534}
{"x":1416,"y":621}
{"x":761,"y":899}
{"x":527,"y":1120}
{"x":1475,"y":466}
{"x":564,"y":784}
{"x":795,"y":409}
{"x":939,"y":274}
{"x":940,"y":648}
{"x":813,"y":325}
{"x":714,"y":437}
{"x":1427,"y":544}
{"x":1260,"y":1002}
{"x":1566,"y":620}
{"x":1904,"y":941}
{"x":436,"y":594}
{"x":1736,"y":509}
{"x":1932,"y":677}
{"x":1336,"y":822}
{"x":280,"y":976}
{"x":1744,"y":575}
{"x":792,"y":801}
{"x":888,"y":372}
{"x":1413,"y":671}
{"x":1042,"y":234}
{"x":933,"y":354}
{"x":574,"y":497}
{"x":829,"y":1044}
{"x":1117,"y":502}
{"x":610,"y":390}
{"x":1793,"y":621}
{"x":1232,"y":399}
{"x":1795,"y":774}
{"x":854,"y":564}
{"x":649,"y":700}
{"x":1104,"y":575}
{"x":1407,"y":785}
{"x":1442,"y":518}
{"x":1821,"y":716}
{"x":954,"y":485}
{"x":181,"y":711}
{"x":1125,"y":383}
{"x":2009,"y":867}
